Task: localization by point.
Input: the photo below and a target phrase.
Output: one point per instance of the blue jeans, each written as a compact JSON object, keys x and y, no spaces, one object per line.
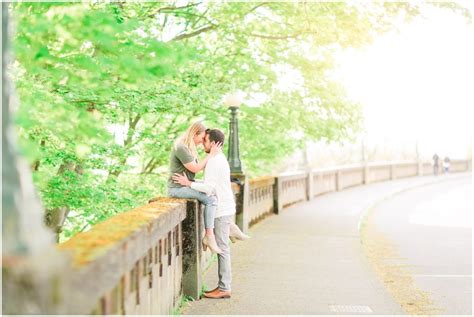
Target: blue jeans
{"x":210,"y":202}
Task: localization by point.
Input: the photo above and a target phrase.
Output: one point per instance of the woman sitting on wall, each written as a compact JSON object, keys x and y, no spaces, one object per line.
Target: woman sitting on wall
{"x":184,"y":159}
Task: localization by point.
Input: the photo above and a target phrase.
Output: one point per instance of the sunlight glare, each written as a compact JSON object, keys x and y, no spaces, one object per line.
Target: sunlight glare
{"x":417,"y":85}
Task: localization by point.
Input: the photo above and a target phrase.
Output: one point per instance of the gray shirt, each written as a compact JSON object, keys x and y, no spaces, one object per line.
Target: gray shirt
{"x":180,"y":156}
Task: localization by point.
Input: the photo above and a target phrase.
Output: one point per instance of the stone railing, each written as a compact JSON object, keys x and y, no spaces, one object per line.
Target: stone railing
{"x":289,"y":188}
{"x":129,"y":264}
{"x":459,"y":165}
{"x":350,"y":176}
{"x":139,"y":262}
{"x":260,"y":198}
{"x":145,"y":260}
{"x":323,"y":181}
{"x":379,"y":172}
{"x":407,"y":169}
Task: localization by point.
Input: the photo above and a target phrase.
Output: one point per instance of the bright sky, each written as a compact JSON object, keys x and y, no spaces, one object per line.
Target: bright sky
{"x":417,"y":84}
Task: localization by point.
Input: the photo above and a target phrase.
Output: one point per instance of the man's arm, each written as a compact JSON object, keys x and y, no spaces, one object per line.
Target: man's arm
{"x":210,"y":178}
{"x":202,"y":187}
{"x":209,"y":184}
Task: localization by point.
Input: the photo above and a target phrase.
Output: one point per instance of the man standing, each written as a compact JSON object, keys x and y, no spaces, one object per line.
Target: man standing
{"x":435,"y":164}
{"x":217,"y":181}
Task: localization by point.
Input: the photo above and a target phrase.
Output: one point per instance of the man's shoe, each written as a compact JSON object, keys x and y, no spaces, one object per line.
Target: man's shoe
{"x":217,"y":294}
{"x":215,"y":289}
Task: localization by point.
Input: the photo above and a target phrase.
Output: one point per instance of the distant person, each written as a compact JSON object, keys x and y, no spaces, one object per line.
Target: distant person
{"x":435,"y":164}
{"x":446,"y":164}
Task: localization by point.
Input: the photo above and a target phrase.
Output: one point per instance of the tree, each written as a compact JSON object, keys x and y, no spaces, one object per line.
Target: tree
{"x":106,"y":88}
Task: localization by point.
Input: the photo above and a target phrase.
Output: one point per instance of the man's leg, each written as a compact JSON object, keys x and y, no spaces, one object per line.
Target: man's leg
{"x":222,"y":228}
{"x":221,"y":231}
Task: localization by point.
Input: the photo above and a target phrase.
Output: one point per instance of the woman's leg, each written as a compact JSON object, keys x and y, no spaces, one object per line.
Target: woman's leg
{"x":210,"y":204}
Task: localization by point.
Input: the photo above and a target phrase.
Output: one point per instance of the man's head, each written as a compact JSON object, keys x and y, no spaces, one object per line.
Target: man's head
{"x":213,"y":135}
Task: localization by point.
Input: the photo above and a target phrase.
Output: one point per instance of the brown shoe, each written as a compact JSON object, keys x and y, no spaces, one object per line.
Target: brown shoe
{"x":215,"y":289}
{"x":216,"y":294}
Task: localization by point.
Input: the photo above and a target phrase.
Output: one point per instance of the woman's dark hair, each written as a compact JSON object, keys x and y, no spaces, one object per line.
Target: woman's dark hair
{"x":215,"y":135}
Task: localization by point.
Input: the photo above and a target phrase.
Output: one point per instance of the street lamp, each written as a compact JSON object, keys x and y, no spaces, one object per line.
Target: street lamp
{"x":233,"y":101}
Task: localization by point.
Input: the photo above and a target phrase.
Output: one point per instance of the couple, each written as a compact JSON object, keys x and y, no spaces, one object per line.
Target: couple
{"x":214,"y":192}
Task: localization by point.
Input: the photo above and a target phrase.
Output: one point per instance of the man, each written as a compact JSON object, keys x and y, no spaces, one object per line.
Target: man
{"x":217,"y":182}
{"x":435,"y":164}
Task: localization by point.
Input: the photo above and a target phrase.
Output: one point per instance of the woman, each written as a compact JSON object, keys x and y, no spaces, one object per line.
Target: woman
{"x":183,"y":159}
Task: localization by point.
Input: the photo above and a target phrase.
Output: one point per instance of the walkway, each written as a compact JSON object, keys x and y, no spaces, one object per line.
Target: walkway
{"x":309,"y":259}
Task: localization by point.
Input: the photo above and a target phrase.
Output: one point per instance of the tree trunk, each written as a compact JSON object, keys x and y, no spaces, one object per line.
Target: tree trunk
{"x":23,"y":228}
{"x":30,"y":264}
{"x":54,"y":219}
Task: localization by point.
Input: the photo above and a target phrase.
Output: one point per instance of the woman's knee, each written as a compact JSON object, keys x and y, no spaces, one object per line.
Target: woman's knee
{"x":210,"y":200}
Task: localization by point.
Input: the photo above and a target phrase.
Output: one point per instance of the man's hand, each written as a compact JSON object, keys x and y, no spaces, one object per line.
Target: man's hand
{"x":181,"y":179}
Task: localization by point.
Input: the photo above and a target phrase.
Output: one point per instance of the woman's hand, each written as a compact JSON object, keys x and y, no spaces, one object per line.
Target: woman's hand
{"x":215,"y":148}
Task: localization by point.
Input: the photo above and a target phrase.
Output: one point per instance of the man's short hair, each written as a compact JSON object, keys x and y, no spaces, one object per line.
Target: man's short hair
{"x":215,"y":135}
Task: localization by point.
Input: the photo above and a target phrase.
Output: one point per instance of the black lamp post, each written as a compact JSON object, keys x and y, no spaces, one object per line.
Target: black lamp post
{"x":233,"y":102}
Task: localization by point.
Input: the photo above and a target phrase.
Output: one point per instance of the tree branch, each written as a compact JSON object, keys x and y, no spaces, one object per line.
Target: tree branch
{"x":195,"y":33}
{"x":151,"y":15}
{"x":202,"y":16}
{"x":256,"y":7}
{"x":145,"y":168}
{"x":132,"y":124}
{"x":274,"y":37}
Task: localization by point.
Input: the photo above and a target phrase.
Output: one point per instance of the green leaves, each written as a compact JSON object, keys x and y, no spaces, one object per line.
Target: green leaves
{"x":105,"y":89}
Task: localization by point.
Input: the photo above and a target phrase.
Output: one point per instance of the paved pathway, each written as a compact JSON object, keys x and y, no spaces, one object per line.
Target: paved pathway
{"x":309,"y":260}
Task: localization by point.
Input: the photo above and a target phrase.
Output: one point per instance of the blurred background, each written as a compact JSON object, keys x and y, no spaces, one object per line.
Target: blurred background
{"x":414,"y":84}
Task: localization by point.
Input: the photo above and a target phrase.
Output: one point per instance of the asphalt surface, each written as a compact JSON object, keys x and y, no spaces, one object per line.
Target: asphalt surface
{"x":431,"y":227}
{"x":309,"y":260}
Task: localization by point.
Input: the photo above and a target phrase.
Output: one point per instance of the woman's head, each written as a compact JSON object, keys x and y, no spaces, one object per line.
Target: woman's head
{"x":193,"y":136}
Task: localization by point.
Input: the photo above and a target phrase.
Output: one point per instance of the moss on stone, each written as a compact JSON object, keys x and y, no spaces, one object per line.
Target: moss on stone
{"x":87,"y":246}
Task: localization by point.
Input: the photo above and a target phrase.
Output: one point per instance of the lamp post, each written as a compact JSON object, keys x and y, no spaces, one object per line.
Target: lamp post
{"x":233,"y":102}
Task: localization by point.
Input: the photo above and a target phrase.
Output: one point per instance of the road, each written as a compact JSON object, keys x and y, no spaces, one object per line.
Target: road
{"x":431,"y":228}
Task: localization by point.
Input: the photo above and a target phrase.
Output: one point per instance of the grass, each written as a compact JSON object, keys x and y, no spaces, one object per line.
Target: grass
{"x":183,"y":301}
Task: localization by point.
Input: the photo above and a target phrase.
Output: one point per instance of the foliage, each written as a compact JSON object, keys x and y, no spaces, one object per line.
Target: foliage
{"x":106,"y":88}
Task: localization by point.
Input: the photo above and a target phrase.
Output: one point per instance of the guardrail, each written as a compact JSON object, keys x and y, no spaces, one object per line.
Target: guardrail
{"x":261,"y":198}
{"x":131,"y":263}
{"x":290,"y":188}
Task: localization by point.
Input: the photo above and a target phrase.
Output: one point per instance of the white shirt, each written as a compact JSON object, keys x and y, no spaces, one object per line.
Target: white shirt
{"x":217,"y":182}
